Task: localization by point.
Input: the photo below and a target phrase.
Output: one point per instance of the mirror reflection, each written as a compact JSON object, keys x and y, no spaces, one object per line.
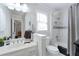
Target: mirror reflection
{"x":13,"y":26}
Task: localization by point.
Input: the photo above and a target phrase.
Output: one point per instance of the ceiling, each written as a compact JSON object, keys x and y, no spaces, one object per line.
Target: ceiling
{"x":46,"y":6}
{"x":49,"y":6}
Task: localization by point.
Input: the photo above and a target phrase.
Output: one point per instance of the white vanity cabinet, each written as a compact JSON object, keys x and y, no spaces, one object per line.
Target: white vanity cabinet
{"x":28,"y":49}
{"x":31,"y":51}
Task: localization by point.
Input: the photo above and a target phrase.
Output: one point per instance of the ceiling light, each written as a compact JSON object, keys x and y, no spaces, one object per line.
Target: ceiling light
{"x":25,"y":8}
{"x":10,"y":6}
{"x":17,"y":7}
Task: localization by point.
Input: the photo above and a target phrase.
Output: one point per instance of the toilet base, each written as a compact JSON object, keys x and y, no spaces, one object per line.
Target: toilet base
{"x":54,"y":54}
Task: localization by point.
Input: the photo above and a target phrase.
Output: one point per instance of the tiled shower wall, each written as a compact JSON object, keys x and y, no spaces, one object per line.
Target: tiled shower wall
{"x":60,"y":28}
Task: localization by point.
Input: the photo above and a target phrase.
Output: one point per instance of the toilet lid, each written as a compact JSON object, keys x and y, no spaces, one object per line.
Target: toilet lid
{"x":52,"y":48}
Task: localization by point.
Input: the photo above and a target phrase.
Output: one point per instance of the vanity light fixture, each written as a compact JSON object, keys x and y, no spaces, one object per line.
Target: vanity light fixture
{"x":18,"y":7}
{"x":25,"y":8}
{"x":10,"y":6}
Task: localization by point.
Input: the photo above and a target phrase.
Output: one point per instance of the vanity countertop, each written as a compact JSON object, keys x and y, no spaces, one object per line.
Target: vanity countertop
{"x":12,"y":48}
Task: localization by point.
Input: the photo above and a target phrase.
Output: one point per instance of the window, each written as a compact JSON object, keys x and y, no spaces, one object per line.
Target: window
{"x":41,"y":22}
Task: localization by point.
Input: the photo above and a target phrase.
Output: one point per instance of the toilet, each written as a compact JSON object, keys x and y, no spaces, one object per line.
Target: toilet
{"x":51,"y":49}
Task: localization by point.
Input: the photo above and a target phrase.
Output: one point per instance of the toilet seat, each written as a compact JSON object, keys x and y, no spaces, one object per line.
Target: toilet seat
{"x":52,"y":48}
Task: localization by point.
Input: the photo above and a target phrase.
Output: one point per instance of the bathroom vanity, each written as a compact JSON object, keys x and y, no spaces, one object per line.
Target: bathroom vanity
{"x":28,"y":49}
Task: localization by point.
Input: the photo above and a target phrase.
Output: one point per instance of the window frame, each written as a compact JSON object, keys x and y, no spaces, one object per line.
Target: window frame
{"x":41,"y":22}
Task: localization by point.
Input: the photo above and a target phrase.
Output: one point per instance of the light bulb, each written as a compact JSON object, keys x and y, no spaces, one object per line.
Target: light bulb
{"x":10,"y":6}
{"x":17,"y":7}
{"x":24,"y":8}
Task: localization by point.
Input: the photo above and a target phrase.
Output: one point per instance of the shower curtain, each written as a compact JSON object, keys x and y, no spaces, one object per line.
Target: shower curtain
{"x":72,"y":28}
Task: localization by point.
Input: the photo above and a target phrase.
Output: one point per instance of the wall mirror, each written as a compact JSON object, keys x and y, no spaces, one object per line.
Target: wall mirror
{"x":14,"y":22}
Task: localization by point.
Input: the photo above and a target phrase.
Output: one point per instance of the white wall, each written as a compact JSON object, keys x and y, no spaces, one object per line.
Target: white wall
{"x":28,"y":21}
{"x":32,"y":16}
{"x":5,"y":21}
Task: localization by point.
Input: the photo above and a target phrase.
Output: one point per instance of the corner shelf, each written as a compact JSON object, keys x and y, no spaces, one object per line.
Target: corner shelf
{"x":59,"y":27}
